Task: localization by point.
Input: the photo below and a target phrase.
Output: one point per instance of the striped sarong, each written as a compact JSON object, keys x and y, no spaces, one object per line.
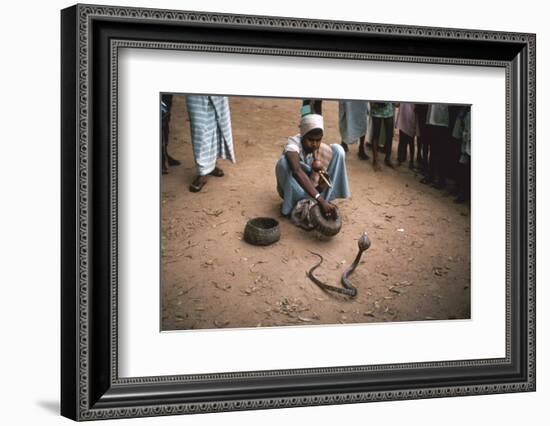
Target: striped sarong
{"x":210,"y":131}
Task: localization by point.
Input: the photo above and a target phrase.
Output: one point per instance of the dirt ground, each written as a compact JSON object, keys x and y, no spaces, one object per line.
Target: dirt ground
{"x":417,"y":268}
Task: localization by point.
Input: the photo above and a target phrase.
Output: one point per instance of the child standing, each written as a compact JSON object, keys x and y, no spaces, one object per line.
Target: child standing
{"x":407,"y":123}
{"x":382,"y":116}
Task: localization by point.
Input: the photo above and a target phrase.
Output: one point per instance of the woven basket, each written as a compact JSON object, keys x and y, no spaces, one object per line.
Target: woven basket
{"x":262,"y":231}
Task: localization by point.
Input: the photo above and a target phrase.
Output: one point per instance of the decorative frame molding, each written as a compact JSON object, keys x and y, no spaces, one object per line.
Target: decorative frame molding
{"x":91,"y":388}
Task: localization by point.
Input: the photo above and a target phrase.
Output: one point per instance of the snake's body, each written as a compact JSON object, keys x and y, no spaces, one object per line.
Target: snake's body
{"x":348,"y":289}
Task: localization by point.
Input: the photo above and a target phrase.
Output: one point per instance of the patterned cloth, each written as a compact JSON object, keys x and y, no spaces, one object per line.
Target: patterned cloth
{"x":381,"y":109}
{"x":290,"y":190}
{"x":210,"y":131}
{"x":352,"y":120}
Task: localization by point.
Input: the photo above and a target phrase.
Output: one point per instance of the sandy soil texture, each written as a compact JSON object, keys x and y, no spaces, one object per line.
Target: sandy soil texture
{"x":418,"y":267}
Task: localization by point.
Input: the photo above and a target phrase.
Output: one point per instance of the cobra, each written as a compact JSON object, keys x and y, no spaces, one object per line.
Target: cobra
{"x":347,"y":289}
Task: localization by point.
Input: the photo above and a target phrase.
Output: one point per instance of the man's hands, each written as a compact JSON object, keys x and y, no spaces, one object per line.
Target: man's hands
{"x":328,"y":209}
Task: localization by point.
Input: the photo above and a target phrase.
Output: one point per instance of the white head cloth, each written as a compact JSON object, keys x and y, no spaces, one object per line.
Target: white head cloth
{"x":310,"y":122}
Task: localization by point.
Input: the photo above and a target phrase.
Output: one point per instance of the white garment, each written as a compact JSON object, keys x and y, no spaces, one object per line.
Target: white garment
{"x":294,"y":144}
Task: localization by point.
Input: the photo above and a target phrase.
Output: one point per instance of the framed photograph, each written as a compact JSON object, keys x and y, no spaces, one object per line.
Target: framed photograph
{"x":264,"y":212}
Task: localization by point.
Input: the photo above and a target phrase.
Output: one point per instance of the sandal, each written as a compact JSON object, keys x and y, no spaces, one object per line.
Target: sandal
{"x":216,"y":172}
{"x":172,"y":161}
{"x":197,"y":184}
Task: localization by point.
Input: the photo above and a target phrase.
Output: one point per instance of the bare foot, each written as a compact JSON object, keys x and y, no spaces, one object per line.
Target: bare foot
{"x":363,"y":155}
{"x":376,"y":166}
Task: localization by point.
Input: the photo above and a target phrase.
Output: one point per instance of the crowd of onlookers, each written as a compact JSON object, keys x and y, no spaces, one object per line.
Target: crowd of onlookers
{"x":434,"y":138}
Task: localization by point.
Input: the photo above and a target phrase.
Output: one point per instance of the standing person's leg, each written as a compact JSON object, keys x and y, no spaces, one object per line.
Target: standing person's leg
{"x":402,"y":147}
{"x":452,"y":156}
{"x":388,"y":128}
{"x":165,"y":115}
{"x":454,"y":144}
{"x":461,"y":184}
{"x":209,"y":137}
{"x":464,"y":182}
{"x":441,"y":149}
{"x":419,"y":158}
{"x":318,"y":106}
{"x":343,"y":124}
{"x":164,"y":143}
{"x":352,"y":124}
{"x":411,"y":151}
{"x":421,"y":112}
{"x":167,"y":99}
{"x":376,"y":125}
{"x":426,"y":154}
{"x":362,"y":153}
{"x":405,"y":141}
{"x":431,"y":154}
{"x":381,"y":140}
{"x":455,"y":168}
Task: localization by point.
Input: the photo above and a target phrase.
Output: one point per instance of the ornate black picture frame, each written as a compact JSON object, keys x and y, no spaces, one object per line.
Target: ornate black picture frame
{"x":91,"y":387}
